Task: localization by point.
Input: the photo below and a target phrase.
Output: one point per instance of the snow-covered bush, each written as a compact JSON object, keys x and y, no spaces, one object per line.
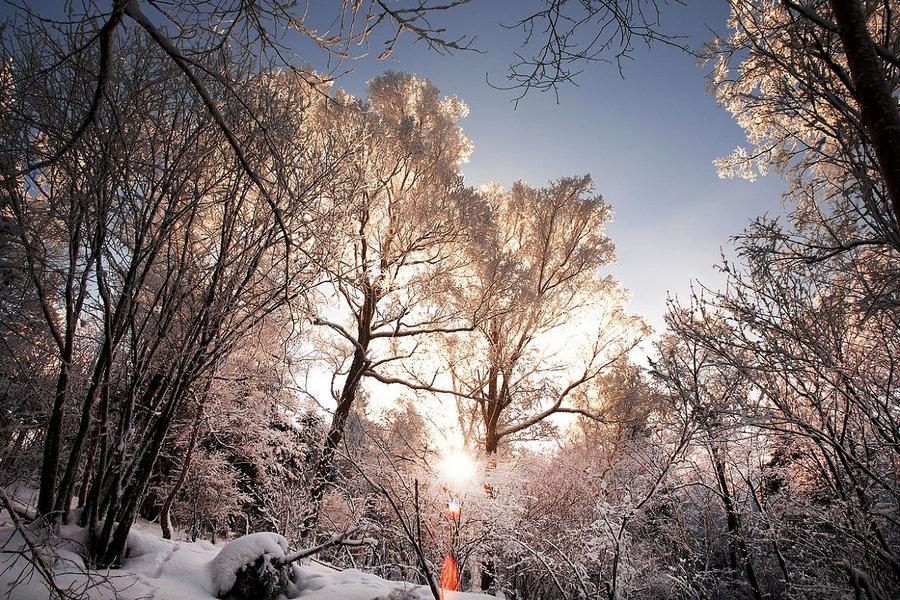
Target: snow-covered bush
{"x":243,"y":569}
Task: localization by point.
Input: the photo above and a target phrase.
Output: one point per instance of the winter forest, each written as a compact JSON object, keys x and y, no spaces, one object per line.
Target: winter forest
{"x":265,"y":335}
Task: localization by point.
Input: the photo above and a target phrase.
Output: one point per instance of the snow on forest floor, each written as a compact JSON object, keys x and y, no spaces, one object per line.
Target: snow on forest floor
{"x":160,"y":569}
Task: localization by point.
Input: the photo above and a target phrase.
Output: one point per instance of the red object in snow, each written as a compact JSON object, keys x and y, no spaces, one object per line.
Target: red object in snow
{"x":450,"y":576}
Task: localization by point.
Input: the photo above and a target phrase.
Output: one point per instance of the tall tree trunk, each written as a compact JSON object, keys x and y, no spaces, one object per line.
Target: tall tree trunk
{"x":52,"y":442}
{"x":323,"y":475}
{"x":491,"y":436}
{"x":877,"y":105}
{"x":121,"y":487}
{"x":67,"y":481}
{"x":89,"y":466}
{"x":165,"y":520}
{"x":120,"y":515}
{"x":492,"y":407}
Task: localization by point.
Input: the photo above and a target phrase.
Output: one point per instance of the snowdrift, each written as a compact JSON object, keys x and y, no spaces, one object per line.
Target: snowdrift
{"x":174,"y":570}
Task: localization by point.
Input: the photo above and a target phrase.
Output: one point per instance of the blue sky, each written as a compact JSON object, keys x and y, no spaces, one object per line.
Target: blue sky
{"x":648,"y":140}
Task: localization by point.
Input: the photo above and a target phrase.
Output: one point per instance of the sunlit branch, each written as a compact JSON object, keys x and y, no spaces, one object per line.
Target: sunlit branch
{"x":413,"y":385}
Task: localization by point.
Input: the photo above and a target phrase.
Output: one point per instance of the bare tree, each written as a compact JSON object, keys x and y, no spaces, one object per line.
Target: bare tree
{"x":564,"y":36}
{"x":708,"y":394}
{"x":811,"y":346}
{"x":194,"y":34}
{"x":150,"y":232}
{"x":396,"y":252}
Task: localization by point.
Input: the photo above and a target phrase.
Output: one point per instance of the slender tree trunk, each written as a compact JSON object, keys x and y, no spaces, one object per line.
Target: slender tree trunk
{"x":491,"y":439}
{"x":878,"y":107}
{"x":491,"y":411}
{"x":104,"y":489}
{"x":94,"y":462}
{"x":67,"y":480}
{"x":323,"y":475}
{"x":165,"y":521}
{"x":121,"y":515}
{"x":89,"y":467}
{"x":737,"y":542}
{"x":324,"y":472}
{"x":52,"y":442}
{"x":124,"y":485}
{"x":48,"y":497}
{"x":99,"y":385}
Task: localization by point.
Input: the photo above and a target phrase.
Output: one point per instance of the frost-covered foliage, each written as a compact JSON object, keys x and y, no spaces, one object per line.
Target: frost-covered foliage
{"x":553,"y":525}
{"x":552,"y":321}
{"x":237,"y":459}
{"x":397,"y":250}
{"x":208,"y":310}
{"x":789,"y":371}
{"x":785,"y":79}
{"x":209,"y":497}
{"x":788,"y":376}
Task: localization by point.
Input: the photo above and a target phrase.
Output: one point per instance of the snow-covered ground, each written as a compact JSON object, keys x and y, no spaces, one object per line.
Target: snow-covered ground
{"x":161,"y":569}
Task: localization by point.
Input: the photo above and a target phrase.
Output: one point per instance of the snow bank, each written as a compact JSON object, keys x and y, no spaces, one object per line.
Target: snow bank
{"x":167,"y":569}
{"x":160,"y":569}
{"x":322,"y":582}
{"x":141,"y":543}
{"x":240,"y":552}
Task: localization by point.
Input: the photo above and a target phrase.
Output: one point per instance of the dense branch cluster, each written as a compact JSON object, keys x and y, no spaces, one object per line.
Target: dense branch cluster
{"x":235,"y":299}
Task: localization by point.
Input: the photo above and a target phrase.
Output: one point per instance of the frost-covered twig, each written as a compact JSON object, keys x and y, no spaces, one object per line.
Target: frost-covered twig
{"x":342,"y":539}
{"x":415,"y":541}
{"x":35,"y":558}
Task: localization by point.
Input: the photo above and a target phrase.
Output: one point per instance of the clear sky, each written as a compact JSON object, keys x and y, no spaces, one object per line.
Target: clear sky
{"x":648,"y":140}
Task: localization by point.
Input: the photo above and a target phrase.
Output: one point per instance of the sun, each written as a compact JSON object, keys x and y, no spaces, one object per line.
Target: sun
{"x":457,"y":467}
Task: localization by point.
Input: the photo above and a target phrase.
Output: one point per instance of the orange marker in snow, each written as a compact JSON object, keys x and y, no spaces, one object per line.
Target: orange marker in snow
{"x":450,"y":576}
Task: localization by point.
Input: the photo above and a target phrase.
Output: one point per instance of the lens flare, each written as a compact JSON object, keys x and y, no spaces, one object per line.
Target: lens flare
{"x":453,"y":508}
{"x":457,"y":467}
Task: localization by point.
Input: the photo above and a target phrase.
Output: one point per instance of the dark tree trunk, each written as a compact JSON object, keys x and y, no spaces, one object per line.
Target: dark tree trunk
{"x":491,"y":437}
{"x":124,"y":485}
{"x":67,"y":480}
{"x":492,"y":407}
{"x":165,"y":519}
{"x":89,"y":467}
{"x":737,"y":542}
{"x":52,"y":442}
{"x":873,"y":93}
{"x":119,"y":521}
{"x":323,"y":476}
